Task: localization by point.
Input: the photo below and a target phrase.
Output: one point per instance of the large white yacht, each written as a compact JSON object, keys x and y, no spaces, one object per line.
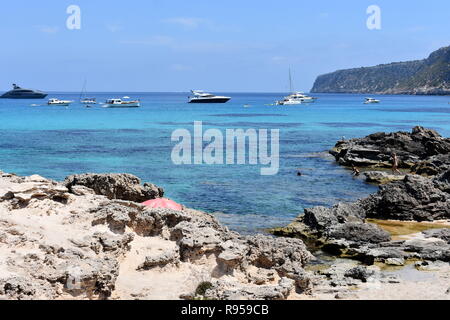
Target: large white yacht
{"x":204,"y":97}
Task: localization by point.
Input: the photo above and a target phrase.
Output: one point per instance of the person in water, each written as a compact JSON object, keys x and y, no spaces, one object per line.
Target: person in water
{"x":355,"y":170}
{"x":395,"y":163}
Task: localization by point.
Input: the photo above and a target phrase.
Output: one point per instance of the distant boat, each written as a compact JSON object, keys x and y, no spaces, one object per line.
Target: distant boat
{"x":119,"y":103}
{"x":204,"y":97}
{"x":295,"y":97}
{"x":371,"y":100}
{"x":86,"y":100}
{"x":21,"y":93}
{"x":57,"y":102}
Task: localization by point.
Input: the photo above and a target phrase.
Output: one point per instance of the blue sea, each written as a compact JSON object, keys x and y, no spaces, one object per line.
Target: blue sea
{"x":59,"y":141}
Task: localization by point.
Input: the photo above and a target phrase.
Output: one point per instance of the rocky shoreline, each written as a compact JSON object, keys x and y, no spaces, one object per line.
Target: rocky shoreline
{"x":88,"y":238}
{"x":355,"y":230}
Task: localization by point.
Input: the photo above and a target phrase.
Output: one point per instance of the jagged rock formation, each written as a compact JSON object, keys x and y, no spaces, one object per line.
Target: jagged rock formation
{"x":428,"y":76}
{"x":66,"y":241}
{"x":415,"y":198}
{"x":115,"y":186}
{"x":423,"y":151}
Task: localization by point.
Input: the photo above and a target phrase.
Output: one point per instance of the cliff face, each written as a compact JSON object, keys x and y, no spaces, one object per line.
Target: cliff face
{"x":428,"y":76}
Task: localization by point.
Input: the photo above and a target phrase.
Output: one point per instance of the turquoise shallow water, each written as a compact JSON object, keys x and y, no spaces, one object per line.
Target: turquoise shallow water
{"x":58,"y":141}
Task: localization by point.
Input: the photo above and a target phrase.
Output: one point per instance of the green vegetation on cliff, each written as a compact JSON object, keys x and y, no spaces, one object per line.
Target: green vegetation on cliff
{"x":428,"y":76}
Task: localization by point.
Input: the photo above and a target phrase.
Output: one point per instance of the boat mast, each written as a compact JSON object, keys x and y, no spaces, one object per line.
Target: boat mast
{"x":290,"y":81}
{"x":83,"y":90}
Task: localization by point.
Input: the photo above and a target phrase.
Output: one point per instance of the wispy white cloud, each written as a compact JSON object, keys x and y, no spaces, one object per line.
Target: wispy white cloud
{"x":286,"y":60}
{"x":47,"y":29}
{"x":189,"y":45}
{"x":416,"y":29}
{"x":188,"y":23}
{"x":279,"y":59}
{"x":178,"y":45}
{"x":192,"y":23}
{"x":157,"y":40}
{"x":113,"y":27}
{"x":180,"y":67}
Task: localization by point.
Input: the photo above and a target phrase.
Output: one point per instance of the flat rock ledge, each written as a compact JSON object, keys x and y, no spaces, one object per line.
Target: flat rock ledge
{"x":380,"y":177}
{"x":89,"y":238}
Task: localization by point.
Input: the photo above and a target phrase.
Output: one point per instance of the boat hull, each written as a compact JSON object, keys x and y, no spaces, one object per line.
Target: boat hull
{"x":213,"y":100}
{"x":129,"y":105}
{"x":9,"y":95}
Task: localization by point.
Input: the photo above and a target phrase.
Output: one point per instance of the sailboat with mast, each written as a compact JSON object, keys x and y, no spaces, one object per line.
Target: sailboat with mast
{"x":86,"y":100}
{"x":295,"y":97}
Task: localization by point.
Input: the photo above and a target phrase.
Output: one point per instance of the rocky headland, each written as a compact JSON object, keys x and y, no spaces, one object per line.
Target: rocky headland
{"x":430,"y":76}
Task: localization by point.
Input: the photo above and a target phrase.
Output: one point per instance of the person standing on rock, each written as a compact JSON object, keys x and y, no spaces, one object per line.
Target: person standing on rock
{"x":395,"y":164}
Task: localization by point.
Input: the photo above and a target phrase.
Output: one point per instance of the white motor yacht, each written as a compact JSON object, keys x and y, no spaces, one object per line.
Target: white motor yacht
{"x":122,"y":103}
{"x":204,"y":97}
{"x":57,"y":102}
{"x":296,"y":98}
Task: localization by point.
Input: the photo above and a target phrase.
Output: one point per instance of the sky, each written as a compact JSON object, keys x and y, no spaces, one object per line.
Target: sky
{"x":219,"y":46}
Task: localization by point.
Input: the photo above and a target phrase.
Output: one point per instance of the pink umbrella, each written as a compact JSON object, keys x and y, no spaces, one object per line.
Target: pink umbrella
{"x":163,"y":203}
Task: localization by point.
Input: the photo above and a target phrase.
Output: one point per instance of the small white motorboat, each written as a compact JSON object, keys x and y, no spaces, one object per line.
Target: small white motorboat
{"x":119,"y":103}
{"x":57,"y":102}
{"x":371,"y":100}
